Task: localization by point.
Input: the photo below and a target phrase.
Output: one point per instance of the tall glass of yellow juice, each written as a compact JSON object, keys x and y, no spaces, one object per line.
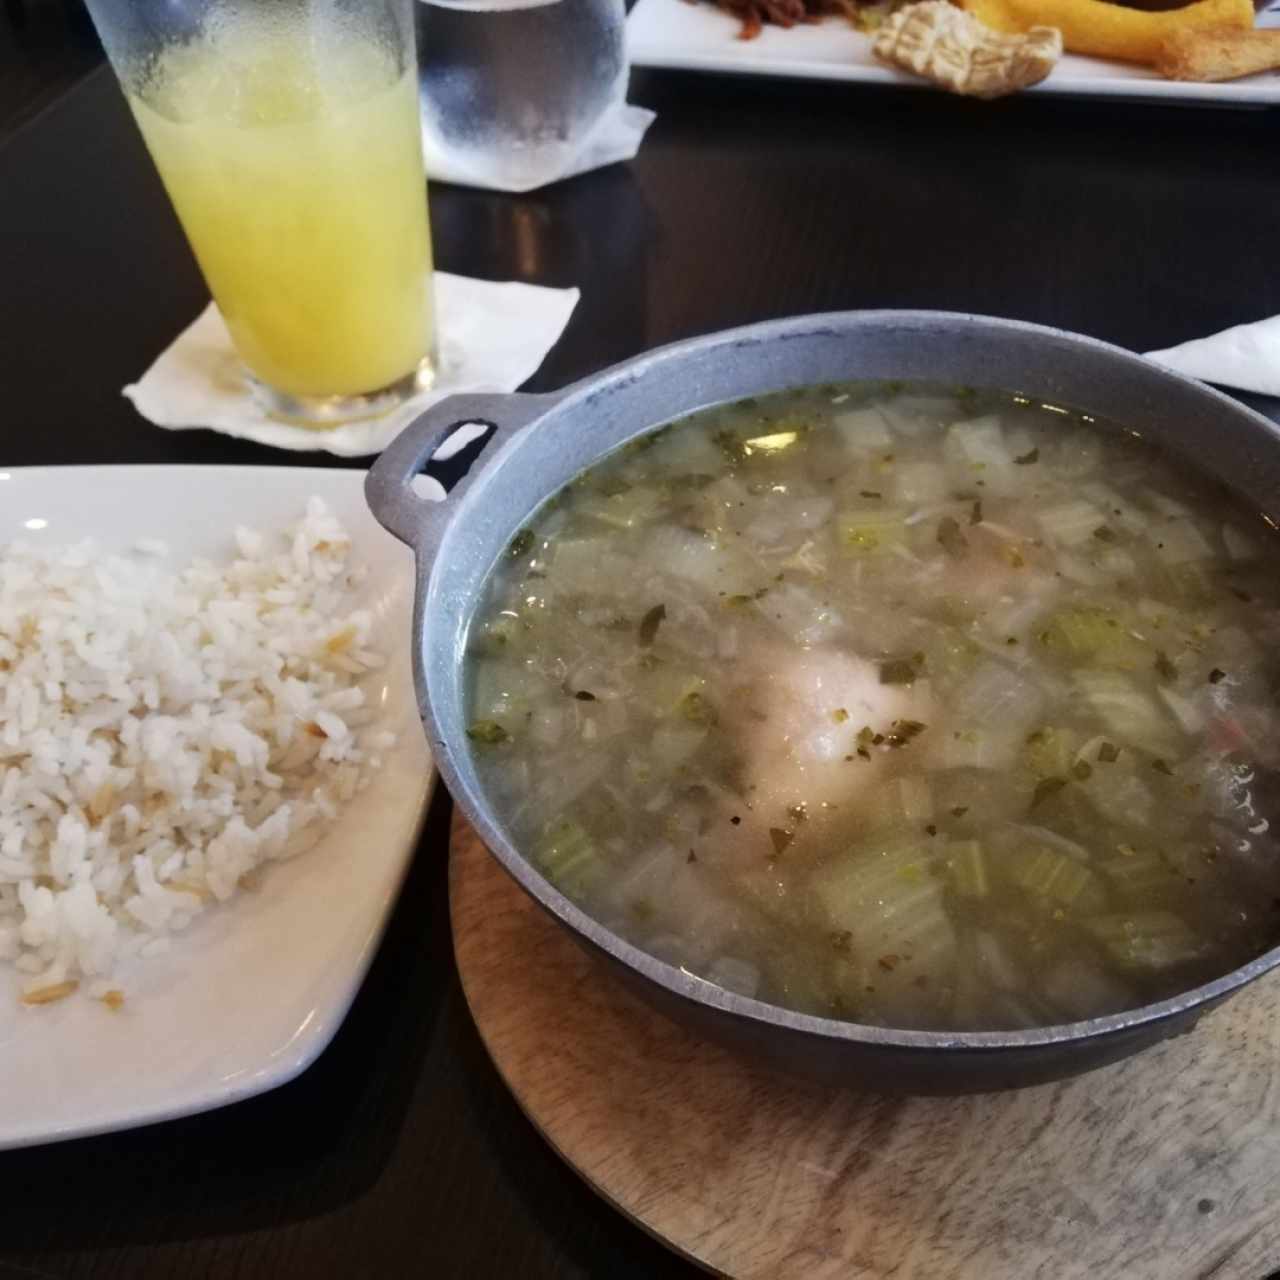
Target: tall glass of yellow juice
{"x":287,"y":135}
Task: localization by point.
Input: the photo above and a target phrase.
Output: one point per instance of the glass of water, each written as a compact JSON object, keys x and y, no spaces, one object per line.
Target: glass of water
{"x":513,"y":89}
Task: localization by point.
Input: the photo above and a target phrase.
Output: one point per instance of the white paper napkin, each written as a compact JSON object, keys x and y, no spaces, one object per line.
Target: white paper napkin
{"x":1247,"y":356}
{"x":617,"y":137}
{"x":491,"y":337}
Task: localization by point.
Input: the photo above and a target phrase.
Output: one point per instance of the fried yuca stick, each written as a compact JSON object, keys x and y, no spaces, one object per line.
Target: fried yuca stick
{"x":1219,"y":54}
{"x":1109,"y":30}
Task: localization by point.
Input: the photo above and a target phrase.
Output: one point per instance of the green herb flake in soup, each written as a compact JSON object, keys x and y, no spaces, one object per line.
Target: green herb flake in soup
{"x":930,"y":707}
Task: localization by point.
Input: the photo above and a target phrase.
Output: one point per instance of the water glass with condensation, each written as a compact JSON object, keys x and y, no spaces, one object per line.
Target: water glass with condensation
{"x":513,"y":90}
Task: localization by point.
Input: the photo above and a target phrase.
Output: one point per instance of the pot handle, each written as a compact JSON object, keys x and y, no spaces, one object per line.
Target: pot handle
{"x":388,"y":488}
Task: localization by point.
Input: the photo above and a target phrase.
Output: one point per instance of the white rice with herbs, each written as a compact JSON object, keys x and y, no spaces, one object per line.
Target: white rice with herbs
{"x":166,"y":734}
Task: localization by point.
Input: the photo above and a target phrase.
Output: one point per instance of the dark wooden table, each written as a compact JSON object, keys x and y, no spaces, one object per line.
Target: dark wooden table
{"x":399,"y":1152}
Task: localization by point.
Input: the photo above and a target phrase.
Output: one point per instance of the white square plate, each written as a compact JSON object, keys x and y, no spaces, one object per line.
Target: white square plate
{"x":699,"y":37}
{"x":249,"y":996}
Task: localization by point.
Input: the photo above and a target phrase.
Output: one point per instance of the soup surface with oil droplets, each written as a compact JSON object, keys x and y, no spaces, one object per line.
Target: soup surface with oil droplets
{"x":907,"y":705}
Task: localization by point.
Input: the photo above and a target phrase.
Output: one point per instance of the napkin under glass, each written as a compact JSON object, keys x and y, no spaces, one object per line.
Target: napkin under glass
{"x":491,"y":337}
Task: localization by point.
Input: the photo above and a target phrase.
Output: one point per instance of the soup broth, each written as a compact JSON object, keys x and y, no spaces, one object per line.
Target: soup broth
{"x":913,"y":706}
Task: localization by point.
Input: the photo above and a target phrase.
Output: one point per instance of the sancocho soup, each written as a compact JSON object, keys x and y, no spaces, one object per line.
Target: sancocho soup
{"x":915,"y":706}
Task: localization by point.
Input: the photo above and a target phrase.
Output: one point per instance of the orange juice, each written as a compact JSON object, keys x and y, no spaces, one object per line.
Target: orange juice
{"x":296,"y":171}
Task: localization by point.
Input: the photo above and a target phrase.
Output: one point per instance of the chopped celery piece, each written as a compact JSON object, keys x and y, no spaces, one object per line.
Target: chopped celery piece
{"x":1057,"y":880}
{"x":488,"y":733}
{"x":568,"y":857}
{"x":1146,"y":941}
{"x":902,"y":800}
{"x":885,"y":882}
{"x":966,"y":863}
{"x":892,"y":903}
{"x":871,"y":531}
{"x":1070,"y":524}
{"x":1096,"y":636}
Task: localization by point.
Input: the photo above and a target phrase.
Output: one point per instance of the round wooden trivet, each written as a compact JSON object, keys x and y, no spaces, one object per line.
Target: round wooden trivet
{"x":1165,"y":1166}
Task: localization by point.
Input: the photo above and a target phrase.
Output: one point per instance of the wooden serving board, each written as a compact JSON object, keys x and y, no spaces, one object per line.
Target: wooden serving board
{"x":1164,"y":1166}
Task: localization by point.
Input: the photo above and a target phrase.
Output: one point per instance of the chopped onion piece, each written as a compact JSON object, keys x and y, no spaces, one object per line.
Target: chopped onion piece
{"x":1187,"y":714}
{"x":688,"y":555}
{"x":1079,"y":570}
{"x":1115,"y":507}
{"x":1082,"y":989}
{"x":864,"y":430}
{"x":920,"y":482}
{"x":1180,"y":542}
{"x":1238,"y":544}
{"x":1125,"y":709}
{"x":996,"y":964}
{"x":1118,"y":564}
{"x":800,"y":614}
{"x":1151,"y":940}
{"x":735,"y":975}
{"x":975,"y":748}
{"x":1120,"y":797}
{"x":1168,"y":506}
{"x":997,"y":697}
{"x":1071,"y":523}
{"x":979,"y":442}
